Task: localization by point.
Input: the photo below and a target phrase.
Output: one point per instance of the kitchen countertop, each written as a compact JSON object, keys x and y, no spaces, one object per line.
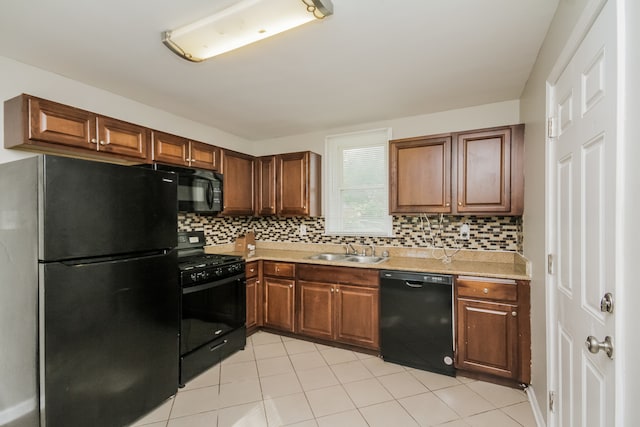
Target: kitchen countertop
{"x":506,"y":265}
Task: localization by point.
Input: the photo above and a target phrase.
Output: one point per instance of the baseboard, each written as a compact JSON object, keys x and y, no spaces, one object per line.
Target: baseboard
{"x":535,"y":407}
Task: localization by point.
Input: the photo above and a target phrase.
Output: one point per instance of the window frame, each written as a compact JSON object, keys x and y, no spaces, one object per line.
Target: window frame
{"x":334,"y":146}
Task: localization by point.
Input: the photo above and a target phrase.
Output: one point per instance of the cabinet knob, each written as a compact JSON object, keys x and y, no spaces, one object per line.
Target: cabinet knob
{"x":459,"y":203}
{"x":448,"y":204}
{"x":104,"y":143}
{"x":337,"y":290}
{"x":485,"y":291}
{"x":331,"y":290}
{"x":251,"y":270}
{"x":291,"y":286}
{"x":514,"y":314}
{"x":93,"y":141}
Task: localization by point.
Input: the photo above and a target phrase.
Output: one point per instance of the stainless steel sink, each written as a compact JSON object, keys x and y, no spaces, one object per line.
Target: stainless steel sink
{"x":347,"y":258}
{"x":365,"y":259}
{"x":329,"y":257}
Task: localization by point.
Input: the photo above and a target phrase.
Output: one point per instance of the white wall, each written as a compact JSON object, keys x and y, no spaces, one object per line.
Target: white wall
{"x":17,"y":78}
{"x":488,"y":115}
{"x":533,"y":114}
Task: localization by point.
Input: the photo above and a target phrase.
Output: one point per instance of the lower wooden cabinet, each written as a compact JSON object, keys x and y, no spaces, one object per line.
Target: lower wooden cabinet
{"x":279,"y":295}
{"x":493,"y":327}
{"x":337,"y":311}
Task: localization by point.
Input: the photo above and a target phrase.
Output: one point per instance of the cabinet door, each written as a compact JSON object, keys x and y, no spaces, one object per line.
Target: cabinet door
{"x":238,"y":176}
{"x":293,"y":184}
{"x":170,"y":149}
{"x":118,"y":137}
{"x":204,"y":156}
{"x":357,"y":316}
{"x":61,"y":124}
{"x":484,"y":171}
{"x":315,"y":305}
{"x":487,"y":338}
{"x":278,"y":303}
{"x":420,"y":175}
{"x":266,"y":185}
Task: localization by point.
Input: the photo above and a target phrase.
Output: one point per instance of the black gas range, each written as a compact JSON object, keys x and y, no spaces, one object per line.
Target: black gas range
{"x":213,"y":305}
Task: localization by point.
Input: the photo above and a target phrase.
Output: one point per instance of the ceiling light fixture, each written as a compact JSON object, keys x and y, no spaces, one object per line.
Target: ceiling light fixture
{"x":241,"y":24}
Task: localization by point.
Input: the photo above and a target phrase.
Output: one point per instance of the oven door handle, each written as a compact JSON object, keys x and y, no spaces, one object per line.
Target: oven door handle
{"x":212,"y":284}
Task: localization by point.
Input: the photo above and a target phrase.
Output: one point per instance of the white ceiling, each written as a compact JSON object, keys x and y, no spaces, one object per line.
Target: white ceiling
{"x":372,"y":60}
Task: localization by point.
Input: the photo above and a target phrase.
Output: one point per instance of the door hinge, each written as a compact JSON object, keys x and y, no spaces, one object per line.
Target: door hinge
{"x":552,"y":400}
{"x":550,"y":264}
{"x":551,"y":131}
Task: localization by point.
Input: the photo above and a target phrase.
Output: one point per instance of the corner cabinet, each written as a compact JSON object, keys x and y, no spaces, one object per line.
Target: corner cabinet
{"x":35,"y":124}
{"x":493,"y":327}
{"x":180,"y":151}
{"x":289,"y":184}
{"x":343,"y":309}
{"x":238,"y":183}
{"x":480,"y":170}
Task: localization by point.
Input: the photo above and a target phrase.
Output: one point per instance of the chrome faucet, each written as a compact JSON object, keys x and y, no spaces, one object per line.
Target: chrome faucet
{"x":353,"y":250}
{"x":373,"y":250}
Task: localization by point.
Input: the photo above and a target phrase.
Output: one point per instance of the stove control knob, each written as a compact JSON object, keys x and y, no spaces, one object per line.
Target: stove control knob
{"x":219,"y":272}
{"x":194,"y":276}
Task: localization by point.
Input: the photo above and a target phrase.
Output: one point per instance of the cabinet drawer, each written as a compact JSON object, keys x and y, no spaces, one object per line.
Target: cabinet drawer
{"x":251,"y":269}
{"x":341,"y":275}
{"x":485,"y":288}
{"x":279,"y":269}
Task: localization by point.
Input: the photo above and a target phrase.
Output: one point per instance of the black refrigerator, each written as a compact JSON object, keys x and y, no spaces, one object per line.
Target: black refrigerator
{"x":89,"y":297}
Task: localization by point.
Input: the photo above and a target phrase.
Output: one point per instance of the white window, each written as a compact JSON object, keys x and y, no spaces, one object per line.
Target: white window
{"x":356,"y":183}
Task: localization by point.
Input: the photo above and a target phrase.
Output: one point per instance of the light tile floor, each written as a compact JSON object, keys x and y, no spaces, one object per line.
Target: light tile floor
{"x":280,"y":381}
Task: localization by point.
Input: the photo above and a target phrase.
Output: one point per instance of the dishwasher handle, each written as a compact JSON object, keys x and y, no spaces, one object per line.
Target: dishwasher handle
{"x":413,"y":284}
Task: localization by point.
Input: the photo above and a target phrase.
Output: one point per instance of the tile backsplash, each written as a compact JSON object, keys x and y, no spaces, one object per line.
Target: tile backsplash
{"x":498,"y":233}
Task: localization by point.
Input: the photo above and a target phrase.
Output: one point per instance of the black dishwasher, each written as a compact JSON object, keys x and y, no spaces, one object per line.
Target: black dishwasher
{"x":416,"y":320}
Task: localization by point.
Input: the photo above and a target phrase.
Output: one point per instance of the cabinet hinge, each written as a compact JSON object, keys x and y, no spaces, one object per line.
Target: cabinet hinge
{"x":551,"y":131}
{"x":550,"y":264}
{"x":552,"y":400}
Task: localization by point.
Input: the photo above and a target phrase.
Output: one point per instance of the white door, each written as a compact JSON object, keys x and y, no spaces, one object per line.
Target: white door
{"x":581,"y":173}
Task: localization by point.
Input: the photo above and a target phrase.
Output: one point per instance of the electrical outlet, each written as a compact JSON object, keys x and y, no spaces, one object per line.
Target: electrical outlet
{"x":464,"y":232}
{"x":303,"y":230}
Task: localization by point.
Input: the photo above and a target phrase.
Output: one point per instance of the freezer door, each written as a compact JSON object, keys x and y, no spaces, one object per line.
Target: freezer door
{"x":91,"y":209}
{"x":109,"y":349}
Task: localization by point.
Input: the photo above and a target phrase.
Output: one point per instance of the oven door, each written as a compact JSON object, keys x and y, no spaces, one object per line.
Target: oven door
{"x":211,"y":310}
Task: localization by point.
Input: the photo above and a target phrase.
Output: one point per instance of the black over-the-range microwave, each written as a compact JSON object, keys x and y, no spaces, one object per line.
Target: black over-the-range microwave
{"x":199,"y":190}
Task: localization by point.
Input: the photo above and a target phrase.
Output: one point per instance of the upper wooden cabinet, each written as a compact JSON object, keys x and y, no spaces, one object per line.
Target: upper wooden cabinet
{"x":420,"y":175}
{"x":289,"y":184}
{"x":266,"y":185}
{"x":489,"y":169}
{"x":298,"y":184}
{"x":481,"y":170}
{"x":180,"y":151}
{"x":238,"y":183}
{"x":39,"y":125}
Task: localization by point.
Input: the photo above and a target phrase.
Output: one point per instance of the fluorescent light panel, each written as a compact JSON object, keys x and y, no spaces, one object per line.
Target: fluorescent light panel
{"x":241,"y":24}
